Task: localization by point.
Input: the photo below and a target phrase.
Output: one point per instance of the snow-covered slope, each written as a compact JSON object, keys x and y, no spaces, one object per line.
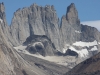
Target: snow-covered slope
{"x":62,"y":60}
{"x":82,"y":48}
{"x":83,"y":44}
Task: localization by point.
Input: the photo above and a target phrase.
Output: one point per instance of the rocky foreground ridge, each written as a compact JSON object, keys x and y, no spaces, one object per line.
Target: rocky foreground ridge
{"x":40,"y":30}
{"x":88,"y":67}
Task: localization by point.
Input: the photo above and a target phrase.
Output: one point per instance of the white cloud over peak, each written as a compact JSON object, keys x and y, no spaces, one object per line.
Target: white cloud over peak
{"x":95,"y":24}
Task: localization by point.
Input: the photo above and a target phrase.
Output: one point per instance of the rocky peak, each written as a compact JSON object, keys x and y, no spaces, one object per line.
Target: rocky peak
{"x":35,"y":20}
{"x":71,"y":7}
{"x":2,"y":12}
{"x":50,"y":7}
{"x":72,"y":14}
{"x":2,"y":8}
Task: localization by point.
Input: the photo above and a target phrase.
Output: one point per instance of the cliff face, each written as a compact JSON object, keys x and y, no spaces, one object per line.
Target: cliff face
{"x":7,"y":58}
{"x":4,"y":26}
{"x":40,"y":44}
{"x":35,"y":20}
{"x":14,"y":63}
{"x":70,"y":26}
{"x":75,"y":36}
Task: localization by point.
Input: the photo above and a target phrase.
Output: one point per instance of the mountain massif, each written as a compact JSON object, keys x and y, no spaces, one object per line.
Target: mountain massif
{"x":36,"y":36}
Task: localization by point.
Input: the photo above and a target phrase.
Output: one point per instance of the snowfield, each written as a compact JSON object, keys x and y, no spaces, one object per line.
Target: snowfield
{"x":62,"y":60}
{"x":78,"y":31}
{"x":94,"y":48}
{"x":82,"y":53}
{"x":83,"y":44}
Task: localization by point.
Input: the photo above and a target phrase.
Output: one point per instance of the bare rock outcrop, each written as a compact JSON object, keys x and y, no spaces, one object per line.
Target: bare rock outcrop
{"x":35,"y":20}
{"x":40,"y":44}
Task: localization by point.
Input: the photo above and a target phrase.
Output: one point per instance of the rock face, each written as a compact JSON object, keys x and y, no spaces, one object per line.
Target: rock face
{"x":3,"y":24}
{"x":73,"y":34}
{"x":7,"y":58}
{"x":70,"y":26}
{"x":35,"y":20}
{"x":72,"y":15}
{"x":14,"y":63}
{"x":40,"y":44}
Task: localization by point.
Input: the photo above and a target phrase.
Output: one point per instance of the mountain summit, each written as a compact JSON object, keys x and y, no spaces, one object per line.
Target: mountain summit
{"x":72,"y":14}
{"x":35,"y":38}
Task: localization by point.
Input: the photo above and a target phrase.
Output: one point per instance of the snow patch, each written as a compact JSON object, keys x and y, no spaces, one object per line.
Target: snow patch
{"x":21,"y":47}
{"x":38,"y":43}
{"x":65,"y":48}
{"x":82,"y":53}
{"x":62,"y":60}
{"x":94,"y":48}
{"x":83,"y":44}
{"x":98,"y":42}
{"x":77,"y":31}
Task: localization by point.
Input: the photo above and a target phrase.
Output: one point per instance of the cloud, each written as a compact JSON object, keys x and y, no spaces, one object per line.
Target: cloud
{"x":95,"y":24}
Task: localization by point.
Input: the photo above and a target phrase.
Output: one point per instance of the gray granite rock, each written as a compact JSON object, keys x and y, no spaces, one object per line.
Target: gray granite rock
{"x":35,"y":20}
{"x":14,"y":63}
{"x":89,"y":33}
{"x":40,"y":44}
{"x":72,"y":15}
{"x":4,"y":26}
{"x":70,"y":28}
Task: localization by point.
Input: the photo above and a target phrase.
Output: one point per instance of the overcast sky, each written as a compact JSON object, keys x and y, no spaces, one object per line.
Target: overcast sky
{"x":88,"y":10}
